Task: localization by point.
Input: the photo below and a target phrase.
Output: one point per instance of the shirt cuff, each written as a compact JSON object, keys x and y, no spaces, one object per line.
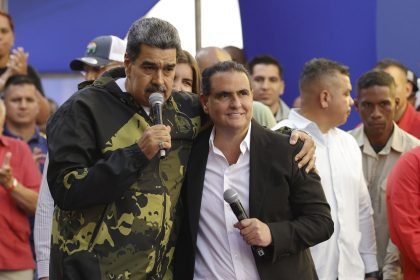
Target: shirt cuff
{"x":370,"y":262}
{"x":43,"y":268}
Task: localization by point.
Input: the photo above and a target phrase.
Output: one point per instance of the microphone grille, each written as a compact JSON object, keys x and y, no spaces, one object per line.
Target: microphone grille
{"x":155,"y":98}
{"x":230,"y":196}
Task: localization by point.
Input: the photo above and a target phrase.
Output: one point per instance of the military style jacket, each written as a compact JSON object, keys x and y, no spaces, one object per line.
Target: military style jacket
{"x":115,"y":209}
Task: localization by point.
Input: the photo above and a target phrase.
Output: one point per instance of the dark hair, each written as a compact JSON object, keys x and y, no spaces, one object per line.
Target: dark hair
{"x":388,"y":62}
{"x":265,"y":59}
{"x":317,"y":68}
{"x":376,"y":78}
{"x":19,"y":80}
{"x":9,"y":18}
{"x":225,"y":66}
{"x":153,"y":32}
{"x":186,"y":57}
{"x":237,"y":54}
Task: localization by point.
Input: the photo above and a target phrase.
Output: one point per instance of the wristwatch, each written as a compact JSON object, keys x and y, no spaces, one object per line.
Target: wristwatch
{"x":374,"y":274}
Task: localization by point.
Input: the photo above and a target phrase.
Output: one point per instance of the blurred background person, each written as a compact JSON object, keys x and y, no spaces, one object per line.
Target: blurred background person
{"x":20,"y":99}
{"x":19,"y":184}
{"x":187,"y":74}
{"x":236,"y":54}
{"x":403,"y":203}
{"x":15,"y":62}
{"x":406,"y":117}
{"x":102,"y":54}
{"x":209,"y":56}
{"x":412,"y":80}
{"x":268,"y":84}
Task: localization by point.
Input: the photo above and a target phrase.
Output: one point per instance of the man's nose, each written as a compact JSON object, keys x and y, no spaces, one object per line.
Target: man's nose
{"x":158,"y":77}
{"x":376,"y":112}
{"x":265,"y":83}
{"x":351,"y":101}
{"x":90,"y":75}
{"x":235,"y":101}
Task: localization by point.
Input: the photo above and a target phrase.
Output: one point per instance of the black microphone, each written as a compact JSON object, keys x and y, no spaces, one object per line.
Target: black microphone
{"x":156,"y":102}
{"x":231,"y":197}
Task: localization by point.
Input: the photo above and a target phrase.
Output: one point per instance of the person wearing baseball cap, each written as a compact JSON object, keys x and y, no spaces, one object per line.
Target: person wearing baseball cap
{"x":412,"y":80}
{"x":102,"y":54}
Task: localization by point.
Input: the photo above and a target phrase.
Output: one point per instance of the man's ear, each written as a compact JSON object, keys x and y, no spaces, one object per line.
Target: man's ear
{"x":397,"y":102}
{"x":324,"y":99}
{"x":282,"y":87}
{"x":127,"y":65}
{"x":204,"y":100}
{"x":356,"y":104}
{"x":408,"y":89}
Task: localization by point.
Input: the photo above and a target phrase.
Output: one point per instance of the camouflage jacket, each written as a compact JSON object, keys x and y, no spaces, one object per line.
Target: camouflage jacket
{"x":115,"y":210}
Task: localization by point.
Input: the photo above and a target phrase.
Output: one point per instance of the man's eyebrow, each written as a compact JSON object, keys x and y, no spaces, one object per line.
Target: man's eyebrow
{"x":222,"y":92}
{"x":148,"y":63}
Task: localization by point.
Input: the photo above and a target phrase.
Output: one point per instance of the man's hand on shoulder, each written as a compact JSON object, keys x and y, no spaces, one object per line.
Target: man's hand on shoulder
{"x":255,"y":232}
{"x":306,"y":156}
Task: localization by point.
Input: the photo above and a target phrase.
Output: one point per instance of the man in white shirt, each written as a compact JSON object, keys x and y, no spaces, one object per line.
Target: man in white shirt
{"x":382,"y":143}
{"x":326,"y":103}
{"x":287,"y":207}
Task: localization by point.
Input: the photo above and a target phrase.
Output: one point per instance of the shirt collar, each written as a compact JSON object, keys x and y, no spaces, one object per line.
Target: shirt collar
{"x":307,"y":125}
{"x":35,"y":137}
{"x":244,"y":146}
{"x":395,"y":142}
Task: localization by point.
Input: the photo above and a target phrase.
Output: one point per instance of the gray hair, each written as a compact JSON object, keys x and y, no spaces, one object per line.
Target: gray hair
{"x":225,"y":66}
{"x":153,"y":32}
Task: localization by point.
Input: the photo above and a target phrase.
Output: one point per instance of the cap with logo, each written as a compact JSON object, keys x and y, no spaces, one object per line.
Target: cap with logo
{"x":100,"y":52}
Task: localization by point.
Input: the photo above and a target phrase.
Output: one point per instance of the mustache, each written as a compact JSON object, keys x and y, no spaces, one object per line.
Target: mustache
{"x":151,"y":89}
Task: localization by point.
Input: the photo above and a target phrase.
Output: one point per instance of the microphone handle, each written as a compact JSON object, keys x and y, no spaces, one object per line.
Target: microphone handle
{"x":240,"y":213}
{"x":157,"y":113}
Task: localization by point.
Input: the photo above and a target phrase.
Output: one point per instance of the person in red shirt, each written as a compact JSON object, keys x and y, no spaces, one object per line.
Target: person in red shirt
{"x":403,"y":203}
{"x":19,"y":185}
{"x":406,"y":117}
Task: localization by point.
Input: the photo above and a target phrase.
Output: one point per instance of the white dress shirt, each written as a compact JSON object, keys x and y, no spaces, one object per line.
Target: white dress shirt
{"x":221,"y":251}
{"x":43,"y":226}
{"x":351,"y":251}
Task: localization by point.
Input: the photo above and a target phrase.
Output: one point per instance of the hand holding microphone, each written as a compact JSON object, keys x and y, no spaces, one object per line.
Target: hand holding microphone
{"x":156,"y":101}
{"x":156,"y":138}
{"x":254,"y":232}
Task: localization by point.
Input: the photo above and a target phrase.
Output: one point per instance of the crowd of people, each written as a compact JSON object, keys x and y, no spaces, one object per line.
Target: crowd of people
{"x":85,"y":193}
